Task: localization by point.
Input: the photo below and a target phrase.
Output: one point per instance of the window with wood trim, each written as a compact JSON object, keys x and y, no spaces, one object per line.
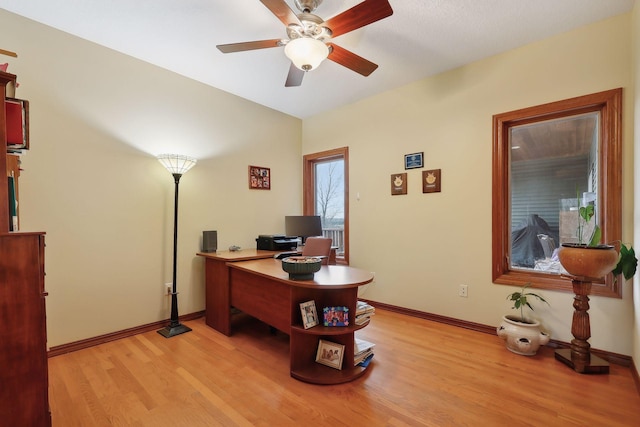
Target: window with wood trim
{"x":545,"y":159}
{"x":326,"y":190}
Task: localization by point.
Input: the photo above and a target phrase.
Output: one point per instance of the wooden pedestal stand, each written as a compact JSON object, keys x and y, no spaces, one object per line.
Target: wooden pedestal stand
{"x":579,"y":357}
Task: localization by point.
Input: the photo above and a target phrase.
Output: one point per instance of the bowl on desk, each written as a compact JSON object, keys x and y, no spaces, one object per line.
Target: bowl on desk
{"x":301,"y":267}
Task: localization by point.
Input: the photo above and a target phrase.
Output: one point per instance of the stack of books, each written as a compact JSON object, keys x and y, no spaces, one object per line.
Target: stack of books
{"x":364,"y":312}
{"x":362,"y":352}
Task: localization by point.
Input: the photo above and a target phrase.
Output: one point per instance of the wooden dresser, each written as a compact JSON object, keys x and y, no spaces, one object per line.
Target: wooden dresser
{"x":24,"y":378}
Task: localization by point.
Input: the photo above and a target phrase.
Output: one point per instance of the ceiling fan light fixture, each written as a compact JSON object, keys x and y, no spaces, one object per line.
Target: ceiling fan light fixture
{"x":306,"y":53}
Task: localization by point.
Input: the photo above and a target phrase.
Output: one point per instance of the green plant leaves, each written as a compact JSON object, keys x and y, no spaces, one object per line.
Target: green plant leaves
{"x":520,"y":299}
{"x":587,"y":212}
{"x":595,"y":238}
{"x":627,"y":263}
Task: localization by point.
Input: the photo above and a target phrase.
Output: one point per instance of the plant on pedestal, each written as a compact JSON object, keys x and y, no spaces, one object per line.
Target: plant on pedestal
{"x":588,"y":262}
{"x":592,"y":259}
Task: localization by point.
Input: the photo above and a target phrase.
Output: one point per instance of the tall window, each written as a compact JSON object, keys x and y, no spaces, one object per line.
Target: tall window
{"x":326,"y":183}
{"x":546,"y":160}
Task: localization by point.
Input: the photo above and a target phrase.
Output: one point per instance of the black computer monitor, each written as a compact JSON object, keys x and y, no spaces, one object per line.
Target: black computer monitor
{"x":303,"y":226}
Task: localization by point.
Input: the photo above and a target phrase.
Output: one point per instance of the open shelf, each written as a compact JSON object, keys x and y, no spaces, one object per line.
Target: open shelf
{"x":328,"y":330}
{"x":320,"y":374}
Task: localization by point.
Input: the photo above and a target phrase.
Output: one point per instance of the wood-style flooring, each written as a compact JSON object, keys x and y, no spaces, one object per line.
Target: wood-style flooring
{"x":423,"y":373}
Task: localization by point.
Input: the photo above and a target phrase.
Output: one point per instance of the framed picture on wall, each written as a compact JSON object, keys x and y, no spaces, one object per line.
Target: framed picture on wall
{"x":431,"y":181}
{"x":398,"y":183}
{"x":259,"y":178}
{"x":414,"y":160}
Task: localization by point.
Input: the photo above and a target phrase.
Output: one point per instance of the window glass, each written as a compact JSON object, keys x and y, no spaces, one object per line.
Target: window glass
{"x":329,"y":200}
{"x":553,"y":162}
{"x":326,"y":183}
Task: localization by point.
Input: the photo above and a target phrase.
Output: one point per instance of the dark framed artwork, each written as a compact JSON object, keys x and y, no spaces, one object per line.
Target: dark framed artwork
{"x":259,"y":178}
{"x":431,"y":180}
{"x":414,"y":160}
{"x":398,"y":183}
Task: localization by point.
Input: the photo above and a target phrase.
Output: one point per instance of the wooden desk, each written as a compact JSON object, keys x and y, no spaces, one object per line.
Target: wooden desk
{"x":217,"y":300}
{"x":260,"y":288}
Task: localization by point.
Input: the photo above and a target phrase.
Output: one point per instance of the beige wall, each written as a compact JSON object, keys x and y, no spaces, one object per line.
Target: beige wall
{"x":91,"y":180}
{"x":422,"y":246}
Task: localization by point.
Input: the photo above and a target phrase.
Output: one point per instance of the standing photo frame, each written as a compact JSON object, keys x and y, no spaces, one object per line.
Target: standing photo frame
{"x":309,"y":314}
{"x":330,"y":354}
{"x":259,"y":178}
{"x":414,"y":160}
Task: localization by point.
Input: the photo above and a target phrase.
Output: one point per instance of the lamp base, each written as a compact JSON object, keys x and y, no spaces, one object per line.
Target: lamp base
{"x":171,"y":331}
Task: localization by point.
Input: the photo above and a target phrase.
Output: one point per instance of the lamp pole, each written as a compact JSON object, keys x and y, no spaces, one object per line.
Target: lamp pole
{"x":177,"y":165}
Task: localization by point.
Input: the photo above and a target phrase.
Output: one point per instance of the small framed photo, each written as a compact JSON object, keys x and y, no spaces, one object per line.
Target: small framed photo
{"x":414,"y":160}
{"x":309,"y":314}
{"x":259,"y":178}
{"x":398,"y":183}
{"x":335,"y":316}
{"x":330,"y":354}
{"x":431,"y":181}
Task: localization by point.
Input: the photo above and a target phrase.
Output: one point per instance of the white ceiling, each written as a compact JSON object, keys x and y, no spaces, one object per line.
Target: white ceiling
{"x":421,"y":38}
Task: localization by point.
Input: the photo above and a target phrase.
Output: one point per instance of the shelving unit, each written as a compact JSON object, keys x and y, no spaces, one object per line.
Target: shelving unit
{"x":304,"y":342}
{"x":24,"y":380}
{"x":260,"y":288}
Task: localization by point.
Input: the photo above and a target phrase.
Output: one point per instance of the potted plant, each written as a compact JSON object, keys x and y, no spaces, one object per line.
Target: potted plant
{"x":522,"y":336}
{"x":593,"y":259}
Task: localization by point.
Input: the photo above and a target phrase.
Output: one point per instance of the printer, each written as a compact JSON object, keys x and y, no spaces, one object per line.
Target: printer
{"x":277,"y":242}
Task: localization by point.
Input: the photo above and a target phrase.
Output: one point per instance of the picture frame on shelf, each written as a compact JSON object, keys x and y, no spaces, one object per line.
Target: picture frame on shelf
{"x":309,"y":314}
{"x":259,"y":178}
{"x":414,"y":160}
{"x":330,"y":354}
{"x":335,"y":316}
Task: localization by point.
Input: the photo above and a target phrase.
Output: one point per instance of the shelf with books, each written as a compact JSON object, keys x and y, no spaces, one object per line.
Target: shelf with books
{"x":362,"y":352}
{"x":364,"y":311}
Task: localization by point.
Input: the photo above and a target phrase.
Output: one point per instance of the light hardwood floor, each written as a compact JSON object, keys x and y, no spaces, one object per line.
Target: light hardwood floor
{"x":424,"y":373}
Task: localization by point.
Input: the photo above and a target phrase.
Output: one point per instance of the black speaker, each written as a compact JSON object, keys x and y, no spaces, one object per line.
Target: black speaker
{"x":209,"y":241}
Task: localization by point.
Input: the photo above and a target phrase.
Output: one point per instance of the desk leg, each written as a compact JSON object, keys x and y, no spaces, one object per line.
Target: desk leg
{"x":217,"y":304}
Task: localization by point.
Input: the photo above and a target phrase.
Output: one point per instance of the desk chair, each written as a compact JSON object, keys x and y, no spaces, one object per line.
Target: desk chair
{"x":318,"y":246}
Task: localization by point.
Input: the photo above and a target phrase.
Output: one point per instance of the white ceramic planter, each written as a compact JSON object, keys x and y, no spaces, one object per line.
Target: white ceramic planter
{"x":521,"y":338}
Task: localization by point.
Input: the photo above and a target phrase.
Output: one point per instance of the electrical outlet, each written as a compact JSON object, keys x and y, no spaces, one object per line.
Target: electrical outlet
{"x":462,"y":291}
{"x":168,"y":288}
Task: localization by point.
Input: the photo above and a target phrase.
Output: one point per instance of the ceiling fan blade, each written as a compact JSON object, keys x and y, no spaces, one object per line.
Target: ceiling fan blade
{"x":294,"y":78}
{"x":358,"y":16}
{"x":350,"y":60}
{"x":282,"y":11}
{"x":239,"y":47}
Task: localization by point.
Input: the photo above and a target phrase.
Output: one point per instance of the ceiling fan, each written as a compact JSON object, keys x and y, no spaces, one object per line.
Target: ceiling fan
{"x":308,"y":42}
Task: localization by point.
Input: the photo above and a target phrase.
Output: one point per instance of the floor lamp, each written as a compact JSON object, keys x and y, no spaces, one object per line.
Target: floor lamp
{"x":177,"y":165}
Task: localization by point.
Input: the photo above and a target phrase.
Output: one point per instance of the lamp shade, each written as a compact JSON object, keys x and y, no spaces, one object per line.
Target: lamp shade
{"x":306,"y":53}
{"x":177,"y":163}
